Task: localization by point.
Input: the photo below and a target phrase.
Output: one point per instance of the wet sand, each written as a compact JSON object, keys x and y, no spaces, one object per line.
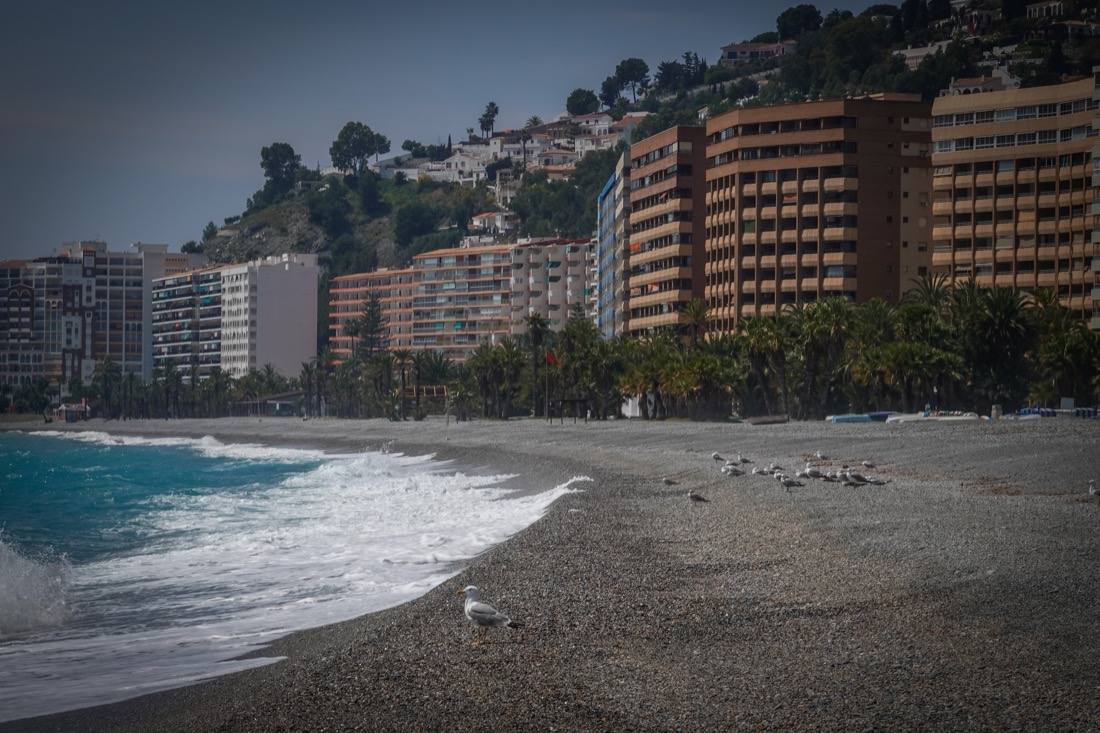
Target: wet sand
{"x":965,"y":594}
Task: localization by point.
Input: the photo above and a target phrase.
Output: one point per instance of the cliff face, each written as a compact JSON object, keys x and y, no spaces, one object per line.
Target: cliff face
{"x":286,"y":227}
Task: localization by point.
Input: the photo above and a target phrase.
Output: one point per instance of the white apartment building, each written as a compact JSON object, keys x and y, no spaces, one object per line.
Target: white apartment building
{"x":238,"y":317}
{"x":549,"y":277}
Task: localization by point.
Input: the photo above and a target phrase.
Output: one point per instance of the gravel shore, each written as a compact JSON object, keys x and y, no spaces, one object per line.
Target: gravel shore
{"x":965,"y":594}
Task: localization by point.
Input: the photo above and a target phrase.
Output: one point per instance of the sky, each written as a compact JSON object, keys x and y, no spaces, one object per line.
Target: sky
{"x":141,"y":121}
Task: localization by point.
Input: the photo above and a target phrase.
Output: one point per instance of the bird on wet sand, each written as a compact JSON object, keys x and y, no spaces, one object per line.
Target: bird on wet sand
{"x":482,"y":615}
{"x":697,"y":497}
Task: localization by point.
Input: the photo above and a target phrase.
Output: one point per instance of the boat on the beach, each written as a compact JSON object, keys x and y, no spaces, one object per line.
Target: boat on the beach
{"x":850,"y":417}
{"x":935,"y":417}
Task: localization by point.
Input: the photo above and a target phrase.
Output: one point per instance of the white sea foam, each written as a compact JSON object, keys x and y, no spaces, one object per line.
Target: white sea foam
{"x":32,"y":594}
{"x":208,"y":446}
{"x":223,"y":573}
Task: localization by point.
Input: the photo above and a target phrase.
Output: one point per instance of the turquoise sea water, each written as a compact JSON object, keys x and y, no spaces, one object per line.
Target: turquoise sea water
{"x":129,"y":565}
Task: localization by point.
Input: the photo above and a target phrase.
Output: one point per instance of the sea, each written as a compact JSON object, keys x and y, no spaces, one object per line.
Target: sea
{"x":130,"y":565}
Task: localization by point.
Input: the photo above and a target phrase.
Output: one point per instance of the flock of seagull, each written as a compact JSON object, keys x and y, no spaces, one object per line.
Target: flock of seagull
{"x":739,"y":466}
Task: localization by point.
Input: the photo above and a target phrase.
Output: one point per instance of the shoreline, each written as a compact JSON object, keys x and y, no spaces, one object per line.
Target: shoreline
{"x":961,"y":595}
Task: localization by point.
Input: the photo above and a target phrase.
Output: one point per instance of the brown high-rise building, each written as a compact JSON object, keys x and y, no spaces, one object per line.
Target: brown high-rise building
{"x":1012,"y":190}
{"x":811,"y":200}
{"x":666,"y":228}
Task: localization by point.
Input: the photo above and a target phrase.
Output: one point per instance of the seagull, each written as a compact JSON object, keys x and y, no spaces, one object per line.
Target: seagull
{"x":868,"y":464}
{"x":813,"y":472}
{"x":1092,"y":488}
{"x":788,"y":483}
{"x":697,"y":497}
{"x":878,"y":481}
{"x":731,"y":469}
{"x":821,"y":456}
{"x":802,"y":474}
{"x":856,"y":476}
{"x":716,"y":458}
{"x":742,"y":459}
{"x":670,"y":482}
{"x":482,"y":615}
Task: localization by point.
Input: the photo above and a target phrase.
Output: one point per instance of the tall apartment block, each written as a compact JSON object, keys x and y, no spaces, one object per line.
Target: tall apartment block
{"x":238,"y":317}
{"x":348,"y":299}
{"x":613,"y":234}
{"x":61,"y":315}
{"x":1013,"y":190}
{"x":1095,"y":322}
{"x":549,"y":277}
{"x":666,"y":228}
{"x":811,"y":200}
{"x":462,"y":298}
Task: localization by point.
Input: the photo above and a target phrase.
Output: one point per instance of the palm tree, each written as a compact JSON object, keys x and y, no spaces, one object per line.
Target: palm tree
{"x":537,"y":329}
{"x":402,"y":359}
{"x":533,"y":121}
{"x":106,"y":379}
{"x":931,"y":290}
{"x":308,"y":377}
{"x":696,"y":315}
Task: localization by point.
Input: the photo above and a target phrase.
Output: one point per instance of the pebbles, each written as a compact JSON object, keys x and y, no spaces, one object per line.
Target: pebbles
{"x":845,"y":609}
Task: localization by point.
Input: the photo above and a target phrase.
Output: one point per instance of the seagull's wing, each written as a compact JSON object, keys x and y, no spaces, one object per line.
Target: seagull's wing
{"x":485,"y":615}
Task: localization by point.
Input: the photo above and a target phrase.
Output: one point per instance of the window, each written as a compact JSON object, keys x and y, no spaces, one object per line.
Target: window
{"x":981,"y":143}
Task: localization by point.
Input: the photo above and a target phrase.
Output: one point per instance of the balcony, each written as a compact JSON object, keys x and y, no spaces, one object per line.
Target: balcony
{"x":841,"y":184}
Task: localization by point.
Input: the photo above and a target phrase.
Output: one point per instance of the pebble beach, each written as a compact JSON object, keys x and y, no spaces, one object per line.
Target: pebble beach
{"x":962,"y":595}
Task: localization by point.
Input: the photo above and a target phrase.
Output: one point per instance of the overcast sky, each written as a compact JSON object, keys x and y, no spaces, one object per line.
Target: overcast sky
{"x":141,"y":121}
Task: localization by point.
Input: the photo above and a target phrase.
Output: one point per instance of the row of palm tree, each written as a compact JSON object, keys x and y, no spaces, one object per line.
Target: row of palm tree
{"x":947,"y":347}
{"x":950,"y":347}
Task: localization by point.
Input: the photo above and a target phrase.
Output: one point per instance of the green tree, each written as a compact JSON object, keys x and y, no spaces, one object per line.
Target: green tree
{"x":533,"y":121}
{"x":582,"y":102}
{"x":353,"y":147}
{"x":209,"y":231}
{"x":634,"y":73}
{"x":280,"y":165}
{"x":795,"y":21}
{"x":414,"y":219}
{"x":611,"y":90}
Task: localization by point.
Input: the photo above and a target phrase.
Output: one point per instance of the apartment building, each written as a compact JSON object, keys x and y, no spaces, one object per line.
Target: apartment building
{"x":462,"y":297}
{"x":549,"y":278}
{"x":349,"y":296}
{"x":666,"y":228}
{"x":612,"y":234}
{"x":1013,"y":190}
{"x":61,"y":315}
{"x":811,"y":200}
{"x":123,"y":282}
{"x":1095,"y":322}
{"x":237,"y":317}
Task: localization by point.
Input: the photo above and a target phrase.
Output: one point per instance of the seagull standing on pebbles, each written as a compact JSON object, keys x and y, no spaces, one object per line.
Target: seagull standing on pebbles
{"x":482,"y":615}
{"x":868,"y":464}
{"x":742,"y":459}
{"x":821,"y":456}
{"x":697,"y":497}
{"x":787,"y":482}
{"x":670,"y":482}
{"x":731,"y":469}
{"x":813,"y":471}
{"x":717,"y":458}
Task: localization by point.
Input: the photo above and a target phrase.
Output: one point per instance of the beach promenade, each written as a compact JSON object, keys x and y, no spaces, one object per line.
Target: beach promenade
{"x":964,"y":594}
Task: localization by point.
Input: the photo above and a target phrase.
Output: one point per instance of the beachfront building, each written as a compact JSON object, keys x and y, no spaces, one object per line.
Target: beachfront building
{"x":812,"y":200}
{"x":349,"y":298}
{"x":612,"y":236}
{"x":461,"y":298}
{"x":666,"y":229}
{"x":1013,"y":190}
{"x":237,"y":317}
{"x":550,"y":278}
{"x":1095,"y":321}
{"x":62,"y":315}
